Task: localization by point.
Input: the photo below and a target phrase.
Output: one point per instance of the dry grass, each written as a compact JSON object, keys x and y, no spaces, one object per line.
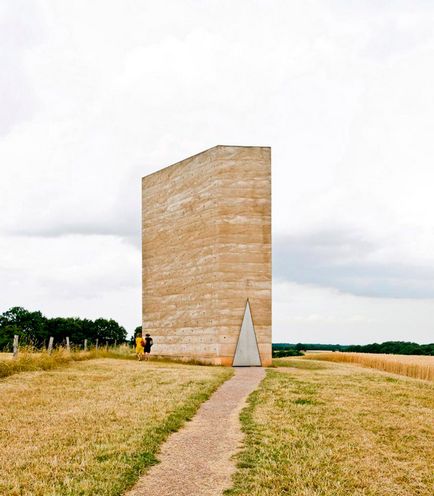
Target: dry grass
{"x":6,"y":356}
{"x":298,"y":363}
{"x":419,"y":367}
{"x":337,"y":431}
{"x":30,"y":360}
{"x":91,"y":428}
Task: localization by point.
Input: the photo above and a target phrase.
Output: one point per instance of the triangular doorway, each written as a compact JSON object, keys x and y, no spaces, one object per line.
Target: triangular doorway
{"x":247,"y":353}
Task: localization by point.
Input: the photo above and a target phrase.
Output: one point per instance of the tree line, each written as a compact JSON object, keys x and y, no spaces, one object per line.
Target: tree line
{"x":394,"y":347}
{"x":388,"y":347}
{"x":34,"y":329}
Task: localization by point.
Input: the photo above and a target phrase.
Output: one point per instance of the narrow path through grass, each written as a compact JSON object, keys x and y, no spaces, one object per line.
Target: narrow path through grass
{"x":93,"y":427}
{"x":197,"y":460}
{"x":316,"y":428}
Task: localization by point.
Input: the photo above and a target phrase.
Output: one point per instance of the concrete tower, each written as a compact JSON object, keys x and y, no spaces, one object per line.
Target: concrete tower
{"x":206,"y":251}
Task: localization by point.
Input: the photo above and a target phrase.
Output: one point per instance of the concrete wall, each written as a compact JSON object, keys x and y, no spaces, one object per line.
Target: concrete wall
{"x":206,"y":237}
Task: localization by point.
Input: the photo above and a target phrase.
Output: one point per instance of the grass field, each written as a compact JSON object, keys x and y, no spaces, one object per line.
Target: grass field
{"x":92,"y":427}
{"x":29,"y":360}
{"x":320,"y":428}
{"x":417,"y":366}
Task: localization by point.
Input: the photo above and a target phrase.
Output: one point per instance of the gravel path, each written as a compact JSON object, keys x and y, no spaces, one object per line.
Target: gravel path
{"x":196,"y":461}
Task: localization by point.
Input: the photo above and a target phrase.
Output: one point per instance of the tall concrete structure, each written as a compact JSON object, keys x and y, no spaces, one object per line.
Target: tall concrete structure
{"x":206,"y":241}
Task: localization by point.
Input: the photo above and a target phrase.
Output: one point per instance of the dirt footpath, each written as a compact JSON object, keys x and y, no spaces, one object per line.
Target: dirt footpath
{"x":196,"y":461}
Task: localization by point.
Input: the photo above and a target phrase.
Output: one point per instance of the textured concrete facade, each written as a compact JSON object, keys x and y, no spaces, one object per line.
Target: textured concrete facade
{"x":206,"y":241}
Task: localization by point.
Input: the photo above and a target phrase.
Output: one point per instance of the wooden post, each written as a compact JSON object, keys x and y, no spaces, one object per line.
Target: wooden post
{"x":96,"y":343}
{"x":68,"y":348}
{"x":85,"y":345}
{"x":116,"y":342}
{"x":50,"y":345}
{"x":106,"y":345}
{"x":15,"y":345}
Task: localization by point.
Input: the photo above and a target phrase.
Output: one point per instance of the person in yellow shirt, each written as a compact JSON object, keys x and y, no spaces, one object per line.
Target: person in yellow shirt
{"x":140,"y":346}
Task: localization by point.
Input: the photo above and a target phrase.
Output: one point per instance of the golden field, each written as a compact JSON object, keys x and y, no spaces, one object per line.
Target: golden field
{"x":417,"y":366}
{"x":92,"y":427}
{"x":316,"y":428}
{"x":29,"y":359}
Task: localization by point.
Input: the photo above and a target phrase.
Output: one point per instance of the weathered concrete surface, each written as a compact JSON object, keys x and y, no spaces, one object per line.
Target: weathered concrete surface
{"x":197,"y":460}
{"x":206,"y":238}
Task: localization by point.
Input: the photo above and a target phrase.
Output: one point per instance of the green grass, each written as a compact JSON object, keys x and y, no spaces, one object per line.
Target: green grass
{"x":94,"y":427}
{"x":337,"y":431}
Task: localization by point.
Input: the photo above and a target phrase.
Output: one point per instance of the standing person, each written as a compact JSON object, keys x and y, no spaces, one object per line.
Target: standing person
{"x":148,"y":344}
{"x":140,"y":346}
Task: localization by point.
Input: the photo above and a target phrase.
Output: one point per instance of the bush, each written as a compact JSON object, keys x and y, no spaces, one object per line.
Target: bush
{"x":286,"y":353}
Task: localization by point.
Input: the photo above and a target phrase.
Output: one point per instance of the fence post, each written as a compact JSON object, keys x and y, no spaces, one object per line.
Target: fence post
{"x":85,"y":345}
{"x":106,"y":345}
{"x":96,"y":343}
{"x":116,"y":342}
{"x":50,"y":345}
{"x":15,"y":345}
{"x":68,"y":348}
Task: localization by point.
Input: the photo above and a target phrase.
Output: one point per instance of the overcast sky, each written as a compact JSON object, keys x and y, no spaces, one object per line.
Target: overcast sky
{"x":96,"y":94}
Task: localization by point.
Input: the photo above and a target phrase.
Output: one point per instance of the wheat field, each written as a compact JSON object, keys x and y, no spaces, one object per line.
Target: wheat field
{"x":416,"y":366}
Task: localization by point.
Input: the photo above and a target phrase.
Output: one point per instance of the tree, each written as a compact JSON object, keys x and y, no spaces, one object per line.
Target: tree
{"x":109,"y":330}
{"x":35,"y":329}
{"x":31,"y":327}
{"x":133,"y":337}
{"x":73,"y":327}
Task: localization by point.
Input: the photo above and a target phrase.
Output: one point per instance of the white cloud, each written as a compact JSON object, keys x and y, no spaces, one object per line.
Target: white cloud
{"x":347,"y":261}
{"x":82,"y":275}
{"x":304,"y":313}
{"x":95,"y":95}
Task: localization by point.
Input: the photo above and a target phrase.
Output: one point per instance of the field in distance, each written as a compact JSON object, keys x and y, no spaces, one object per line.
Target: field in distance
{"x":417,"y":366}
{"x":92,"y":427}
{"x":317,"y":428}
